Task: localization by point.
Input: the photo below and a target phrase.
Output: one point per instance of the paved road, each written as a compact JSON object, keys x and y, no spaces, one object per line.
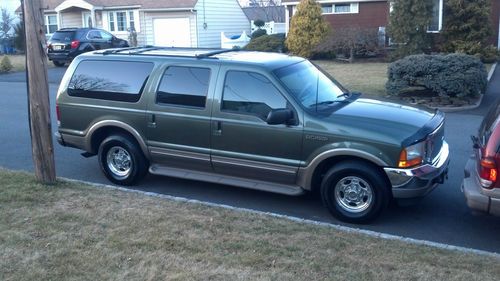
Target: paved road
{"x":441,"y":217}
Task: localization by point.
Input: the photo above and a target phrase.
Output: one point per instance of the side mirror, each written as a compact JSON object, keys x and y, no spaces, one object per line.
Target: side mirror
{"x":279,"y":116}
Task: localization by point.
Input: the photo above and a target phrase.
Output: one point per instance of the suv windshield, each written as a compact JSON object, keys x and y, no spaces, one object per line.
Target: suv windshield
{"x":63,"y":36}
{"x":310,"y":86}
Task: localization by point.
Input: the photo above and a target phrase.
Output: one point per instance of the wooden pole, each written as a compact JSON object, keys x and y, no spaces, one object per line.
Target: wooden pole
{"x":38,"y":93}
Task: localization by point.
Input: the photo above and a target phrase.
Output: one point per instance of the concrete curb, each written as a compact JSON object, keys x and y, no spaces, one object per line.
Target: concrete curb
{"x":468,"y":107}
{"x":341,"y":228}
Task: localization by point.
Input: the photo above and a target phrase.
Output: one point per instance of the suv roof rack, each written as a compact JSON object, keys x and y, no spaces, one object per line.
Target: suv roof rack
{"x":175,"y":51}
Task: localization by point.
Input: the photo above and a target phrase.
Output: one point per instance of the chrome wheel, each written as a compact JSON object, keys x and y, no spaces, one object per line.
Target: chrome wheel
{"x":353,"y":194}
{"x":119,"y":161}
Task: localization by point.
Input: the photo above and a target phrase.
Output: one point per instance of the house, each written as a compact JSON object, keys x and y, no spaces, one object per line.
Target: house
{"x":273,"y":16}
{"x":375,"y":14}
{"x":179,"y":23}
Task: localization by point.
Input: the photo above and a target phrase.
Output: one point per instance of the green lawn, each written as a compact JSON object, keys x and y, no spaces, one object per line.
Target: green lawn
{"x":72,"y":231}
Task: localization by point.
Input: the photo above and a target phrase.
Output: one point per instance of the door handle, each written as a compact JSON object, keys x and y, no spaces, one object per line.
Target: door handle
{"x":217,"y":128}
{"x":152,"y":121}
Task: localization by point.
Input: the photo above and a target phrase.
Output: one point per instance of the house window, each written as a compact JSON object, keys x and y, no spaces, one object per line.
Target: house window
{"x":326,"y":8}
{"x":347,"y":8}
{"x":437,"y":16}
{"x":121,"y":21}
{"x":131,"y":20}
{"x":51,"y":25}
{"x":111,"y":22}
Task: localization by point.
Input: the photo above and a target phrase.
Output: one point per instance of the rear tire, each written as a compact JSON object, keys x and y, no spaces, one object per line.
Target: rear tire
{"x":59,"y":63}
{"x":121,"y":160}
{"x":355,"y":191}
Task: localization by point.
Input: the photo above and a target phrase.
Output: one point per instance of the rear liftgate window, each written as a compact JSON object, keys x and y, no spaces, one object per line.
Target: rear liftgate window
{"x":184,"y":86}
{"x":110,"y":80}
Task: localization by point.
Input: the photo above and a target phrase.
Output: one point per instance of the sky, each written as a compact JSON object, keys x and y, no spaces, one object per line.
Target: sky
{"x":10,"y":5}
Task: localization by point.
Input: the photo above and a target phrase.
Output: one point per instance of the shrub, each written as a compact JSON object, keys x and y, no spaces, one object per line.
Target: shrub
{"x":258,"y":33}
{"x":349,"y":43}
{"x":307,"y":29}
{"x":267,"y":43}
{"x":5,"y":65}
{"x":453,"y":75}
{"x":259,"y":23}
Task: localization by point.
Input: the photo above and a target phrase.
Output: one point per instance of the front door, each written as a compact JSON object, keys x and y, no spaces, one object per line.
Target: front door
{"x":243,"y":144}
{"x":179,"y":117}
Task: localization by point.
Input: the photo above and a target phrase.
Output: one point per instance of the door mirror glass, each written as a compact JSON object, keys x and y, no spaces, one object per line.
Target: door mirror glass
{"x":279,"y":116}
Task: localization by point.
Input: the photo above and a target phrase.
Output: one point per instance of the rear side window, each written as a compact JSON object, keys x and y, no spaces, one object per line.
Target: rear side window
{"x":63,"y":36}
{"x":184,"y":86}
{"x":110,"y":80}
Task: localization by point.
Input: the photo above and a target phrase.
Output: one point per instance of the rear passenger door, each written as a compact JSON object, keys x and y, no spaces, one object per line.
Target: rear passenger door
{"x":243,"y":144}
{"x":179,"y":117}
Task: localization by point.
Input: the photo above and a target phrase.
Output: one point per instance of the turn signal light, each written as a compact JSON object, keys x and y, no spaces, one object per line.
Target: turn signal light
{"x":405,"y":162}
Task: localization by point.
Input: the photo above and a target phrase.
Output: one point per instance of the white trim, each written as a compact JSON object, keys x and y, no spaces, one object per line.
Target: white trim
{"x":169,"y":10}
{"x":127,"y":21}
{"x":122,"y":7}
{"x":337,"y":227}
{"x":353,"y":8}
{"x":327,"y":2}
{"x":74,"y":3}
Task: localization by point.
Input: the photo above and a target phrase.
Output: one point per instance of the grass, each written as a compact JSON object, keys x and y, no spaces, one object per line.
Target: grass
{"x":368,"y":78}
{"x":72,"y":231}
{"x":18,"y":62}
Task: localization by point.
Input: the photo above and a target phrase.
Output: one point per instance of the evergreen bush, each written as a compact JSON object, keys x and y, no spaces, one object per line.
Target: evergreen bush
{"x":267,"y":43}
{"x":307,"y":29}
{"x":5,"y":65}
{"x":453,"y":75}
{"x":258,"y":33}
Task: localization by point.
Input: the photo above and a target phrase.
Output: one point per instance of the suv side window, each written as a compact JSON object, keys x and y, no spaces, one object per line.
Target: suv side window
{"x":106,"y":36}
{"x":94,"y":34}
{"x":250,"y":93}
{"x":184,"y":86}
{"x":110,"y":80}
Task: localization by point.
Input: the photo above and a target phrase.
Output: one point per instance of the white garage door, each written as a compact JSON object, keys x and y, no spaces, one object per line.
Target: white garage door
{"x":172,"y":32}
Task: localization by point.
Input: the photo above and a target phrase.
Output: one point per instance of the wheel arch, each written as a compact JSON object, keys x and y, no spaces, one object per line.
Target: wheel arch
{"x":311,"y":176}
{"x":101,"y":130}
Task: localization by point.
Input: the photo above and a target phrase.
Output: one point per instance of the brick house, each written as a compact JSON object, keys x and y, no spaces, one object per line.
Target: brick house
{"x":375,"y":14}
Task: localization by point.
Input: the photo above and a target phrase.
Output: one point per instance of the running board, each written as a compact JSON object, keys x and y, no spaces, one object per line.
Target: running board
{"x":227,"y":180}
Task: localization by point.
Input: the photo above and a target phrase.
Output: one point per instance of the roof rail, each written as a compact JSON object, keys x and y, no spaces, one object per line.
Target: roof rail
{"x":213,"y":53}
{"x":140,"y":50}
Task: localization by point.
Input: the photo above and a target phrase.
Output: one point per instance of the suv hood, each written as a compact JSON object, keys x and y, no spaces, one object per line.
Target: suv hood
{"x":386,"y":122}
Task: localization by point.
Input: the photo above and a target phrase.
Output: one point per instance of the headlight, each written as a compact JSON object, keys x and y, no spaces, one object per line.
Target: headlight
{"x":412,"y":155}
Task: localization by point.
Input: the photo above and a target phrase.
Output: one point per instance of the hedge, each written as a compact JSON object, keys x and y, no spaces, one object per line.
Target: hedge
{"x":452,"y":75}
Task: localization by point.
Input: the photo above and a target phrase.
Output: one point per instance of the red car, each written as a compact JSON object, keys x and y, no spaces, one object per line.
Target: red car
{"x":481,"y":184}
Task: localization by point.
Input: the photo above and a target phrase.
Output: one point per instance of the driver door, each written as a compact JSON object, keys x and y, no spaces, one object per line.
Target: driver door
{"x":243,"y":144}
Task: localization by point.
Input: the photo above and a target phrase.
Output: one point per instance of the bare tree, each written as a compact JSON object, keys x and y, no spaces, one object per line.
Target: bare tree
{"x":351,"y":41}
{"x":6,"y":24}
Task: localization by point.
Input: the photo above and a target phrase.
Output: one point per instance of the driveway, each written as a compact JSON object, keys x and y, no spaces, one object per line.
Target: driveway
{"x":440,"y":217}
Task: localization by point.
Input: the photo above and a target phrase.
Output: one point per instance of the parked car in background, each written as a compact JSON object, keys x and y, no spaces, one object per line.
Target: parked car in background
{"x":67,"y":43}
{"x":481,"y":184}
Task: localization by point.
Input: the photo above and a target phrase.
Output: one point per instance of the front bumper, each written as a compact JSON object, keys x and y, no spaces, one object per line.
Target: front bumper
{"x":419,"y":181}
{"x":478,"y":198}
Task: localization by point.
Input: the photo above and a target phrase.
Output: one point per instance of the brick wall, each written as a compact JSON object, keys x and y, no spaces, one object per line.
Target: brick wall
{"x":371,"y":15}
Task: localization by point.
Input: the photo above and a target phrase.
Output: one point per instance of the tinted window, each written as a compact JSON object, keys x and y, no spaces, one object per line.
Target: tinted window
{"x":186,"y":86}
{"x":110,"y":80}
{"x":63,"y":36}
{"x":250,"y":93}
{"x":105,"y":35}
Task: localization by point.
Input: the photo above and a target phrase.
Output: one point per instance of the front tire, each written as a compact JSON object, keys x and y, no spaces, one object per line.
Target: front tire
{"x":121,"y":160}
{"x":355,"y":191}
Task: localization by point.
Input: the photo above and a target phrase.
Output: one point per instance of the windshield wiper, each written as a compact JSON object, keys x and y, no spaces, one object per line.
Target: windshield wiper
{"x":328,"y":102}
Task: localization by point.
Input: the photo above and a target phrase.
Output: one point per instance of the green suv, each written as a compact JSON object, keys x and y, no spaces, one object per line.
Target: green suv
{"x":264,"y":121}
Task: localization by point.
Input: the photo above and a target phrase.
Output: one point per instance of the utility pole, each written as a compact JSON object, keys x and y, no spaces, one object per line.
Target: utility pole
{"x":38,"y":93}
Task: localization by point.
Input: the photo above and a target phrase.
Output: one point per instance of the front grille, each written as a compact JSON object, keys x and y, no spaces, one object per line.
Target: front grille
{"x":433,"y":144}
